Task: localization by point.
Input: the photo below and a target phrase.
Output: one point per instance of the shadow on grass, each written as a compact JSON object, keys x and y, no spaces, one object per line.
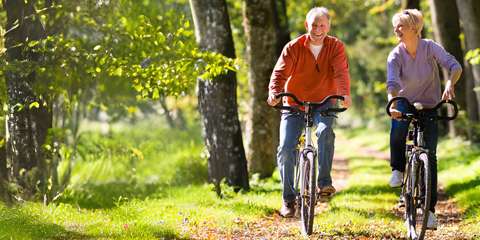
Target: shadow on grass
{"x":104,"y":195}
{"x":460,"y":187}
{"x":107,"y":194}
{"x":472,"y":194}
{"x":15,"y":224}
{"x":463,"y":158}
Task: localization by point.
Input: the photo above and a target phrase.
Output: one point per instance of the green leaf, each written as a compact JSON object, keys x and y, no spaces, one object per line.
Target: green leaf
{"x":34,"y":105}
{"x":118,"y":72}
{"x":155,"y":94}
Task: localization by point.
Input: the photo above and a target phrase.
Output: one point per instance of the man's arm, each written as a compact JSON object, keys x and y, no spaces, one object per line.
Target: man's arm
{"x":341,"y":74}
{"x":282,"y":70}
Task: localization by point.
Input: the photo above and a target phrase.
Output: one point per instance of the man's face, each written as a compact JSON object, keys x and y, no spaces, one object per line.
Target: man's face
{"x":317,"y":29}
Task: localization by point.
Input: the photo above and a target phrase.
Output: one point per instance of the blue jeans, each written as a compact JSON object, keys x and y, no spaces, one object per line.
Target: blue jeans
{"x":398,"y":135}
{"x":291,"y":126}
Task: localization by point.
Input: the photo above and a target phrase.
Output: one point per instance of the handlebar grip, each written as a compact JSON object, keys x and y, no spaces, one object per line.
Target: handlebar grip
{"x":394,"y":100}
{"x":291,"y":95}
{"x":455,"y":109}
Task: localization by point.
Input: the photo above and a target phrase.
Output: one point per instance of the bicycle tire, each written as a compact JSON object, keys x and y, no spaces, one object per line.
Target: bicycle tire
{"x":418,"y":198}
{"x":307,"y":192}
{"x":408,"y":199}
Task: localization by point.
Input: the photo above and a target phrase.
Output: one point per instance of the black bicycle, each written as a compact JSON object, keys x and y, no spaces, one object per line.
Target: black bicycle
{"x":416,"y":187}
{"x":305,"y":164}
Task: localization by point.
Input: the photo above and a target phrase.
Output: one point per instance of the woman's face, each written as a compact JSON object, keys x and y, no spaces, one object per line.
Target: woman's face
{"x":403,"y":32}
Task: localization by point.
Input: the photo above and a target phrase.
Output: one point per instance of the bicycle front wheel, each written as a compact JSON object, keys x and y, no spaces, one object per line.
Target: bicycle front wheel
{"x":307,"y":192}
{"x":417,"y":197}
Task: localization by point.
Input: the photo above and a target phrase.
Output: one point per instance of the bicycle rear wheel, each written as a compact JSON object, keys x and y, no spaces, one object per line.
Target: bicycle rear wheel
{"x":417,"y":197}
{"x":307,"y":191}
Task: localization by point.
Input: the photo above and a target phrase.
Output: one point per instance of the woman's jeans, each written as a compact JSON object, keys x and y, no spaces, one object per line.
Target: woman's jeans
{"x":291,"y":127}
{"x":398,"y":135}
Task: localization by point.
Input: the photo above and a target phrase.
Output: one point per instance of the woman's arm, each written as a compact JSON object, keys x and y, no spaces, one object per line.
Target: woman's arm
{"x":449,"y":92}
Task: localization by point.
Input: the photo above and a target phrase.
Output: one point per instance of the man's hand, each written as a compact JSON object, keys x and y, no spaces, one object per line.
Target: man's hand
{"x":272,"y":100}
{"x":449,"y":92}
{"x":347,"y":102}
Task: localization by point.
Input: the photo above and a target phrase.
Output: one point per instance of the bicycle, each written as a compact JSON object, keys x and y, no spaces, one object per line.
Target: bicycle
{"x":305,"y":164}
{"x":416,"y":186}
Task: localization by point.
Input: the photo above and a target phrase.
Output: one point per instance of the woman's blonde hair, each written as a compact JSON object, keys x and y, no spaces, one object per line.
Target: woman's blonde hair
{"x":409,"y":17}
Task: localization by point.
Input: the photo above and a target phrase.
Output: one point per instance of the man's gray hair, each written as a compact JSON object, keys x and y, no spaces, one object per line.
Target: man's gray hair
{"x":317,"y":12}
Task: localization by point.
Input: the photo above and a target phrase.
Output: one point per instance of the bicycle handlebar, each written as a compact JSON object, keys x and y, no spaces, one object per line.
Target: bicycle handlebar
{"x":407,"y":116}
{"x":311,"y":104}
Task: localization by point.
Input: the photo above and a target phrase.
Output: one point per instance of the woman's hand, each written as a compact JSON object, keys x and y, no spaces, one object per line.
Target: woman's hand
{"x":449,"y":92}
{"x":394,"y":113}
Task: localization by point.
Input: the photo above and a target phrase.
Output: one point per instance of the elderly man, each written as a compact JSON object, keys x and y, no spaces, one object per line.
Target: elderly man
{"x":312,"y":66}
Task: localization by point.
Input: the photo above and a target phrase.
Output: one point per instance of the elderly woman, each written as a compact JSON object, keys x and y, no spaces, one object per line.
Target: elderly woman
{"x":412,"y":73}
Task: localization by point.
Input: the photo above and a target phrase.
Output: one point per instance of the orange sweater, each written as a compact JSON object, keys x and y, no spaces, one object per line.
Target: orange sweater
{"x":298,"y":72}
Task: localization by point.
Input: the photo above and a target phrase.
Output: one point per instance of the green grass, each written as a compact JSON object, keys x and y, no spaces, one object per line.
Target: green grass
{"x":148,"y":182}
{"x":459,"y":165}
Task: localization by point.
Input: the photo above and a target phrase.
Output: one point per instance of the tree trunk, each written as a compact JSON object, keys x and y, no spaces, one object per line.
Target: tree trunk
{"x":4,"y":194}
{"x":472,"y":105}
{"x":27,"y":126}
{"x":166,"y":112}
{"x":281,"y":25}
{"x":446,"y":29}
{"x":217,"y":98}
{"x":264,"y":35}
{"x":469,"y":11}
{"x":411,"y":4}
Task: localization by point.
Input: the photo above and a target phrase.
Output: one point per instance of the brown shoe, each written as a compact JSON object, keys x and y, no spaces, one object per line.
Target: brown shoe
{"x":288,"y":209}
{"x":329,"y":190}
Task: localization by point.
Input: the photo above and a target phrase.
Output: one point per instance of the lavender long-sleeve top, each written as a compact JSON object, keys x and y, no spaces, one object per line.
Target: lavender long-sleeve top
{"x":417,"y":79}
